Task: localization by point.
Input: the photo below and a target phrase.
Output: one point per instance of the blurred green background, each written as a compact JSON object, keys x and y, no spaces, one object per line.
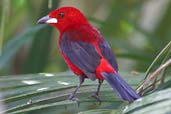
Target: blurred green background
{"x":137,"y":31}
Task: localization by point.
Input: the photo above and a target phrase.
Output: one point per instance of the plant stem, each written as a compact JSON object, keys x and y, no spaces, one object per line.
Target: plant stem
{"x":154,"y":74}
{"x":4,"y":10}
{"x":156,"y":59}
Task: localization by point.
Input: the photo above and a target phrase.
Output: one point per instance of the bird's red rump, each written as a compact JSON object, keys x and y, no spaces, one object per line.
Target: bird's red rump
{"x":104,"y":66}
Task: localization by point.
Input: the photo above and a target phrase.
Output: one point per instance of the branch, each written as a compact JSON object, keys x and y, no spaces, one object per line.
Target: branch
{"x":154,"y":74}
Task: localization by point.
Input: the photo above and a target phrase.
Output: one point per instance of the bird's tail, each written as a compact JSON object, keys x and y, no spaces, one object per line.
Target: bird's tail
{"x":122,"y":89}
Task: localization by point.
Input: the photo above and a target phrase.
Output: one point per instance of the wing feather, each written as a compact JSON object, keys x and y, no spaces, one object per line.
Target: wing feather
{"x":108,"y":54}
{"x":81,"y":54}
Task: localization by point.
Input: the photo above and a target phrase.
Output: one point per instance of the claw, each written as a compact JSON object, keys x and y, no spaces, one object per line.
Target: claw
{"x":94,"y":95}
{"x":73,"y":98}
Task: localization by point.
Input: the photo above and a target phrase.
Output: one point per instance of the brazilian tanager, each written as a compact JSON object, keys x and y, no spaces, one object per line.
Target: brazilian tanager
{"x":86,"y":52}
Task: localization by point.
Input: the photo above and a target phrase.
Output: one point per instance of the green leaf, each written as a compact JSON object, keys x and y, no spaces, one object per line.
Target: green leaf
{"x":39,"y":51}
{"x":155,"y":103}
{"x":5,"y":7}
{"x":96,"y":111}
{"x":15,"y":43}
{"x":48,"y":94}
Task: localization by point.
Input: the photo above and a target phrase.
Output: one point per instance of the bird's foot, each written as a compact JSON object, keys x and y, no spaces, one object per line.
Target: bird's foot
{"x":95,"y":95}
{"x":73,"y":98}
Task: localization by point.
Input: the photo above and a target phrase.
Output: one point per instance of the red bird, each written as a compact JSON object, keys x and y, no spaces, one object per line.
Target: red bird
{"x":86,"y":52}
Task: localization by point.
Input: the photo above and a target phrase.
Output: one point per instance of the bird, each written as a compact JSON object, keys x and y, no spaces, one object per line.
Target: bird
{"x":86,"y":52}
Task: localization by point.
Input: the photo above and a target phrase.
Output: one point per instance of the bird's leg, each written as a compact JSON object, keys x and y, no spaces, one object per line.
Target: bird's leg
{"x":96,"y":94}
{"x":73,"y":97}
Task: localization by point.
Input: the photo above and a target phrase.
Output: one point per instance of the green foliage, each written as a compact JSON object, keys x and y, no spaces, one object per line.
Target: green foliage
{"x":166,"y":51}
{"x":40,"y":49}
{"x":156,"y":103}
{"x":47,"y":93}
{"x":13,"y":45}
{"x":118,"y":26}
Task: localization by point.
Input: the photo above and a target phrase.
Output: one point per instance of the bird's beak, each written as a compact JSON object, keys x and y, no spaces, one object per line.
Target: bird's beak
{"x":47,"y":20}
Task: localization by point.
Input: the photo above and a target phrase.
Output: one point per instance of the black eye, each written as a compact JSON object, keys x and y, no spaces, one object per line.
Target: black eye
{"x":61,"y":14}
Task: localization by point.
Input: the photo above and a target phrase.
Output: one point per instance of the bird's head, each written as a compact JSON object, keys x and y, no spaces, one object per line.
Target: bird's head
{"x":64,"y":17}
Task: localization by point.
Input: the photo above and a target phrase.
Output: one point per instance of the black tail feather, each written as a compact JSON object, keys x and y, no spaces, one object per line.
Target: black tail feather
{"x":122,"y":89}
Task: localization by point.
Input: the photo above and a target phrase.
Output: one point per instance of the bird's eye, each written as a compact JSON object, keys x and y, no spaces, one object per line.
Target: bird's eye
{"x":61,"y":15}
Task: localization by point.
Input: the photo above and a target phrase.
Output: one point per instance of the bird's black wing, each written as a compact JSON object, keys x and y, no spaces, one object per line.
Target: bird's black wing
{"x":108,"y":54}
{"x":81,"y":54}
